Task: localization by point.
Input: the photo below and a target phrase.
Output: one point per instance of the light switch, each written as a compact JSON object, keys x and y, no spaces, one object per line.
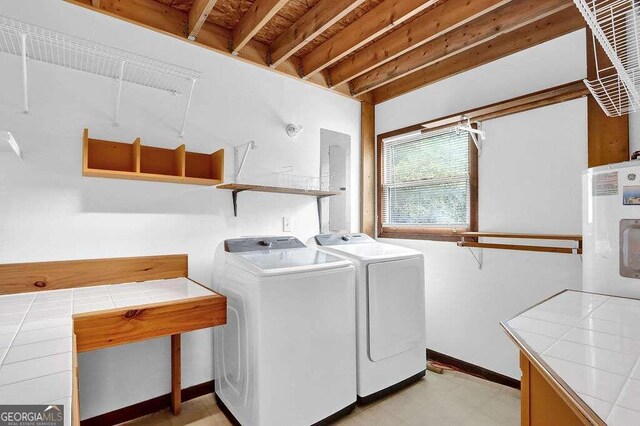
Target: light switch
{"x":286,"y":224}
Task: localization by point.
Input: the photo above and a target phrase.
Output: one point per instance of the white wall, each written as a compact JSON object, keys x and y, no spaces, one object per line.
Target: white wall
{"x":48,"y":211}
{"x":529,"y":181}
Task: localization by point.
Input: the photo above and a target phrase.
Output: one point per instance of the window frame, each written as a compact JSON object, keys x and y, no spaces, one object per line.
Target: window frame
{"x":425,"y":232}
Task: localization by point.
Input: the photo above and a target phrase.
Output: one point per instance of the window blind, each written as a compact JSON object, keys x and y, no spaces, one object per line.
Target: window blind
{"x":426,"y":180}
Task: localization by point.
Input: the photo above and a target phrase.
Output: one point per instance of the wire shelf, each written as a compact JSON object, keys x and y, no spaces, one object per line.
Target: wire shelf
{"x":71,"y":52}
{"x":613,"y":96}
{"x":616,"y":26}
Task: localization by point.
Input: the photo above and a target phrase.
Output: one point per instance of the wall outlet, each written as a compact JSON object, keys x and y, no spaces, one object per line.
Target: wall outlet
{"x":286,"y":224}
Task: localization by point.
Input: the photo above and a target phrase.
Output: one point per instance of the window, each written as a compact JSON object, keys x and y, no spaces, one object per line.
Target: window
{"x":428,"y":185}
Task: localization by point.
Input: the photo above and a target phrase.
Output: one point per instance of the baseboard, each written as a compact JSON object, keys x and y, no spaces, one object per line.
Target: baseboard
{"x":147,"y":407}
{"x":473,"y":369}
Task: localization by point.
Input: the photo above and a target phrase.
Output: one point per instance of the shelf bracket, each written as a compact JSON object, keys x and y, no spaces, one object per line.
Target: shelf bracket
{"x":319,"y":204}
{"x":234,"y":197}
{"x":186,"y":111}
{"x":478,"y":143}
{"x":476,"y":133}
{"x":478,"y":257}
{"x":25,"y":94}
{"x":119,"y":96}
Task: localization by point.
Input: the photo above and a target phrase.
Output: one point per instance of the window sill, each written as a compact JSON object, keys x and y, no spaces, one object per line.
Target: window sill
{"x":422,"y":234}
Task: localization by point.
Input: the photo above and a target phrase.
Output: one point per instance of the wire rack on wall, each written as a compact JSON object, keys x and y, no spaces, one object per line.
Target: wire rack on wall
{"x":616,"y":26}
{"x":41,"y":44}
{"x":613,"y":95}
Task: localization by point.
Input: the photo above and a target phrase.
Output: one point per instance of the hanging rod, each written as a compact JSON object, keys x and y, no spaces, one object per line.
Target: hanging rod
{"x":471,"y":239}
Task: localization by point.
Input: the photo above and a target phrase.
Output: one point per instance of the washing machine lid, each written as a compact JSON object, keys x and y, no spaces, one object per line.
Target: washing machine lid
{"x":280,"y":255}
{"x":363,"y":248}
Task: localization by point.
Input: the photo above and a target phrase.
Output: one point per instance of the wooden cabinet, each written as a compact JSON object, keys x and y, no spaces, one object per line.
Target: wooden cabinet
{"x":121,"y":160}
{"x":544,"y":403}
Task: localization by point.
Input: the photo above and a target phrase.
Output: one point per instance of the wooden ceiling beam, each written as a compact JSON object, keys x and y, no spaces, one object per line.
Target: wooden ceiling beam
{"x":313,"y":23}
{"x":540,"y":31}
{"x":441,"y":19}
{"x":510,"y":17}
{"x":169,"y":21}
{"x":149,"y":13}
{"x":198,"y":14}
{"x":373,"y":24}
{"x":260,"y":12}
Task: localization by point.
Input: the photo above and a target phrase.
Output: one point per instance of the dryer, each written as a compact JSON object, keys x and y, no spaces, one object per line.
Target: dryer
{"x":390,"y":311}
{"x":287,"y":355}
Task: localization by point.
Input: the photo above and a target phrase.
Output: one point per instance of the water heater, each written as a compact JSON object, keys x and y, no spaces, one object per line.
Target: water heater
{"x":611,"y":229}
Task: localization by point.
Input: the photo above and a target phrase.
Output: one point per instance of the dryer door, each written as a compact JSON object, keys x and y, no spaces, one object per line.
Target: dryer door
{"x":396,"y":307}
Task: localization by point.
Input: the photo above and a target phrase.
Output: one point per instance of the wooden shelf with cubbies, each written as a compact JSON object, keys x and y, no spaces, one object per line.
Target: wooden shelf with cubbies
{"x":121,"y":160}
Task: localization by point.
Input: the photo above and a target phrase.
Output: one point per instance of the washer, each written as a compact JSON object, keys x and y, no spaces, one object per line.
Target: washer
{"x":287,"y":355}
{"x":390,"y":311}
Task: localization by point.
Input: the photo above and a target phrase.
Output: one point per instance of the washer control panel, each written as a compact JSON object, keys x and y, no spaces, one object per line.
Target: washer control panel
{"x":239,"y":245}
{"x":342,"y":239}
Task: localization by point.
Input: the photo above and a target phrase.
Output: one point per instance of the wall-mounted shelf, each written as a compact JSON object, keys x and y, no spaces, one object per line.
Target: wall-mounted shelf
{"x":239,"y":187}
{"x":36,"y":43}
{"x":616,"y":26}
{"x":121,"y":160}
{"x":236,"y":188}
{"x":472,"y":240}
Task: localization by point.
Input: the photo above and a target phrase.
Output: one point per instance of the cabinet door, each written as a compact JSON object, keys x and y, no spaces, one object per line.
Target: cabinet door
{"x":541,"y":404}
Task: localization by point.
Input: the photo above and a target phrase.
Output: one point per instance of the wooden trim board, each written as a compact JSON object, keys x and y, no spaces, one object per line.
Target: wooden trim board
{"x":44,"y":276}
{"x":113,"y":327}
{"x":472,"y":369}
{"x":539,"y":99}
{"x":368,"y":169}
{"x":75,"y":395}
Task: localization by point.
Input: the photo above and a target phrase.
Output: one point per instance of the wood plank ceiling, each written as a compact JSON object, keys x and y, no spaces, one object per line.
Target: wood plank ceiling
{"x":373,"y":50}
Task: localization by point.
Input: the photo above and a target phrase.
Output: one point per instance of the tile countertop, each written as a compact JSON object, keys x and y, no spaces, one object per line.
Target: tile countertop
{"x":36,"y":334}
{"x":592,"y":343}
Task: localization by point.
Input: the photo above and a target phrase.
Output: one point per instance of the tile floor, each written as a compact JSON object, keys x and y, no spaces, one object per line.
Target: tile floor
{"x":440,"y":400}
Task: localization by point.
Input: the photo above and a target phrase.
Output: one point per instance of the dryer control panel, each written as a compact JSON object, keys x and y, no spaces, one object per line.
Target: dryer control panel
{"x":240,"y":245}
{"x":342,"y":239}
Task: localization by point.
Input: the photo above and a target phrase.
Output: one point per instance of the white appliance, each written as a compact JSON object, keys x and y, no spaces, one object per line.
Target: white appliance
{"x":287,"y":355}
{"x":390,"y":309}
{"x":611,"y":229}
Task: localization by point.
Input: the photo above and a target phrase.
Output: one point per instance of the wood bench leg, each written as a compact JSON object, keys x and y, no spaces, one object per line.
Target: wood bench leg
{"x":176,"y":385}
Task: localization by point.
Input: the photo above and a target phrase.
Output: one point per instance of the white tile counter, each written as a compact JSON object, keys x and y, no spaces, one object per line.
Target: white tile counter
{"x":36,"y":330}
{"x":592,"y":343}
